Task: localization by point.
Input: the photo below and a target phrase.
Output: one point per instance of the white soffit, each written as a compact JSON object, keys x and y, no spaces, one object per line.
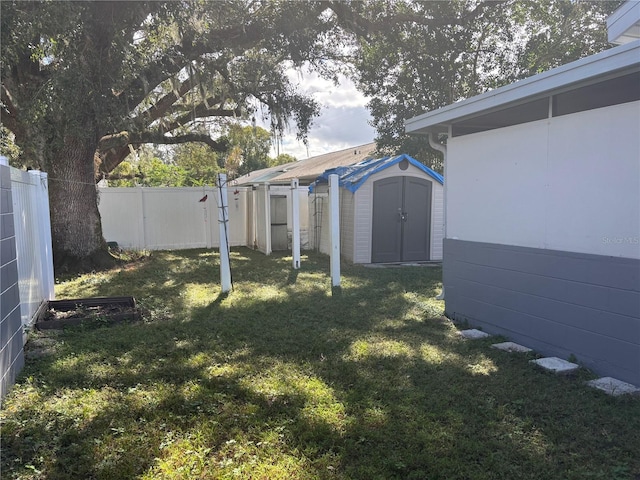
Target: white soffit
{"x":586,"y":70}
{"x":623,"y":25}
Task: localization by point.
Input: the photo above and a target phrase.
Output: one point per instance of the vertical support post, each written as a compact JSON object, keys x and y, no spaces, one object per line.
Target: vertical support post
{"x":267,"y":218}
{"x":295,"y":224}
{"x":223,"y":224}
{"x":334,"y":229}
{"x":143,"y":220}
{"x":254,"y":217}
{"x":44,"y":234}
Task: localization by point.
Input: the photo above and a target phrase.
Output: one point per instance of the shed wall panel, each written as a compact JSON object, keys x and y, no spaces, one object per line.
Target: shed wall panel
{"x":319,"y":219}
{"x":347,"y":224}
{"x":437,"y":221}
{"x":263,"y":219}
{"x":363,"y":215}
{"x":303,"y":194}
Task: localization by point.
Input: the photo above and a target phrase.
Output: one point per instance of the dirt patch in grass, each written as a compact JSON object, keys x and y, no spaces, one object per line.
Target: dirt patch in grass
{"x":63,"y":313}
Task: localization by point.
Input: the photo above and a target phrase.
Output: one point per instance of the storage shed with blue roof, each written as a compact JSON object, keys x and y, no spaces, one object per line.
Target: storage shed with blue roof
{"x":391,"y":211}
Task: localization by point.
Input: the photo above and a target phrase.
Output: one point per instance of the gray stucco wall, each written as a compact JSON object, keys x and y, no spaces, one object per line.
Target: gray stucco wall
{"x":11,"y":341}
{"x":558,"y":303}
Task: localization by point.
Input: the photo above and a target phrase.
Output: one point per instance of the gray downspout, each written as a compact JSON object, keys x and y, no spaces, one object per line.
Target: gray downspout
{"x":433,"y":142}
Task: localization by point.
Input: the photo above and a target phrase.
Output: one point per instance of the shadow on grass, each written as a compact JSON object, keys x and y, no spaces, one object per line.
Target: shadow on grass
{"x":284,"y":379}
{"x":293,"y":276}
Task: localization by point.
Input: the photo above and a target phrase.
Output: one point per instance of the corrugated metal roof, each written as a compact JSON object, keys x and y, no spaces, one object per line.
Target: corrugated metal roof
{"x":307,"y":170}
{"x":352,"y":177}
{"x":262,"y":175}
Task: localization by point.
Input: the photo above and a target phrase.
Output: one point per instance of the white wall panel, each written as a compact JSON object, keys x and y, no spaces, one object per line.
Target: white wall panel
{"x":568,"y":183}
{"x":496,"y":185}
{"x":593,"y":200}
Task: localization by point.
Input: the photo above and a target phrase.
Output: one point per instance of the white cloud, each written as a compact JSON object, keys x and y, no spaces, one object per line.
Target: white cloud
{"x":345,"y":94}
{"x":343,"y":120}
{"x":336,"y":128}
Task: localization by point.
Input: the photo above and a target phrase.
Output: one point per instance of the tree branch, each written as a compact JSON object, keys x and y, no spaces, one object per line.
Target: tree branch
{"x":160,"y":138}
{"x":201,"y":111}
{"x":10,"y":118}
{"x":124,"y":139}
{"x":163,"y":105}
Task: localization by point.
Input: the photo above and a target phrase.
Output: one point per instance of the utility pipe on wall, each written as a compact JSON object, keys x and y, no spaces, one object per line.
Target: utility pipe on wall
{"x":433,"y":142}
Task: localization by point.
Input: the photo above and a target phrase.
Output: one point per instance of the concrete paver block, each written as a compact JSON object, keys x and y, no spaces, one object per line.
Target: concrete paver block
{"x":613,"y":386}
{"x":556,"y":365}
{"x":473,"y":334}
{"x":511,"y":347}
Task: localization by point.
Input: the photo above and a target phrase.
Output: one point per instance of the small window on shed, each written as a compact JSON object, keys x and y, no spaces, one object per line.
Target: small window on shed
{"x":403,"y":164}
{"x":603,"y":94}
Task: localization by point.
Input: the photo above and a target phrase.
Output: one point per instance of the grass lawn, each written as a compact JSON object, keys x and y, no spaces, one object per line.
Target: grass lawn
{"x":280,"y":379}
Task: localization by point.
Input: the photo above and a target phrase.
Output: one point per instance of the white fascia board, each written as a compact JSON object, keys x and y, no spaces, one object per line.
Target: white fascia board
{"x":623,"y":25}
{"x":581,"y":71}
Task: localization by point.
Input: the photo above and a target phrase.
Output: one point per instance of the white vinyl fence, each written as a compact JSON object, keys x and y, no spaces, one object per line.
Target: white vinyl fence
{"x":33,"y":240}
{"x":26,"y":262}
{"x":157,"y":218}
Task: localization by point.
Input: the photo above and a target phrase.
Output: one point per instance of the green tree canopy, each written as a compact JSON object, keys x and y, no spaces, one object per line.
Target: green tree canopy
{"x":84,"y":81}
{"x":254,"y":144}
{"x":411,"y":67}
{"x":282,"y":159}
{"x":200,"y":163}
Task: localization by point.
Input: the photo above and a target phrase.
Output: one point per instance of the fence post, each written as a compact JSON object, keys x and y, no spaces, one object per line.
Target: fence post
{"x":142,"y":224}
{"x":225,"y":267}
{"x":334,"y":229}
{"x":295,"y":223}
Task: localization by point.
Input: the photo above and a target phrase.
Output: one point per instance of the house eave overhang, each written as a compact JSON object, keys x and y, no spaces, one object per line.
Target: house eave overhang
{"x":623,"y":25}
{"x":624,"y":58}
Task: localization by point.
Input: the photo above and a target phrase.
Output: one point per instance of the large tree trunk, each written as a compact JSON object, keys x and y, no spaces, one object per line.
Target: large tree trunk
{"x":78,"y":244}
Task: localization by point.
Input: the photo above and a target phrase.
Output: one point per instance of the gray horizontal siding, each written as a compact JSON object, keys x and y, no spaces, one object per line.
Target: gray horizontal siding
{"x":559,"y":303}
